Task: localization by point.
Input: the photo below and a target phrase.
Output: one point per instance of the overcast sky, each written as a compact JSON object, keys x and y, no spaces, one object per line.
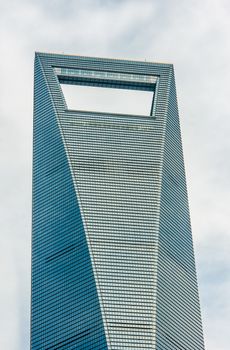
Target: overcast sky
{"x":194,"y":35}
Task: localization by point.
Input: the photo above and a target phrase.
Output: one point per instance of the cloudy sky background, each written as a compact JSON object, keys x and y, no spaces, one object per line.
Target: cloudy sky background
{"x":195,"y":36}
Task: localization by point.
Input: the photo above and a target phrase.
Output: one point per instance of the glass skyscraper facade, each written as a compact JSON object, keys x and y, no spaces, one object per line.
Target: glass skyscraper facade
{"x":112,"y":253}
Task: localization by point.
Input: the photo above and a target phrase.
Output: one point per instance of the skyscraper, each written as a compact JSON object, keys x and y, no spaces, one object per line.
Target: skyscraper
{"x":112,"y":254}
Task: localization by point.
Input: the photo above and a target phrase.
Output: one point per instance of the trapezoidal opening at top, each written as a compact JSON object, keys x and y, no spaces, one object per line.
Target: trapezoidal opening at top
{"x":107,"y":92}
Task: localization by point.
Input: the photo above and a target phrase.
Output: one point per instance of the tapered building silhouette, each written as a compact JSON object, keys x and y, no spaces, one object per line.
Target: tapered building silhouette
{"x":112,"y":253}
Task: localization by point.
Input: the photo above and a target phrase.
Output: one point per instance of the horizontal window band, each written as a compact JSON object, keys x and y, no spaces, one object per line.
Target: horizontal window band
{"x":107,"y":83}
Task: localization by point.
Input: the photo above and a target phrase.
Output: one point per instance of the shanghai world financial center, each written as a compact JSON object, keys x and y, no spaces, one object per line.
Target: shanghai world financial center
{"x":112,"y":253}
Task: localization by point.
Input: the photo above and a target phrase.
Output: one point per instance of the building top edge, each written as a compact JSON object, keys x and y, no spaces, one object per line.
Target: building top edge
{"x":107,"y":59}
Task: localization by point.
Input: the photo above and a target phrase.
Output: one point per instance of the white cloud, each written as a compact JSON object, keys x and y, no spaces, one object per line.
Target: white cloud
{"x":193,"y":35}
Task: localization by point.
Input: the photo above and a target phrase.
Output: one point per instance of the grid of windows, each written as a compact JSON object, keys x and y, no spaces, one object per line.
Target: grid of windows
{"x":113,"y":265}
{"x":120,"y":202}
{"x":65,"y":307}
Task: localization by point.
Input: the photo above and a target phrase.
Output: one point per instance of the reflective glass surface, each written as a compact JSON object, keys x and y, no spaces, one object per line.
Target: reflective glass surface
{"x":112,"y":256}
